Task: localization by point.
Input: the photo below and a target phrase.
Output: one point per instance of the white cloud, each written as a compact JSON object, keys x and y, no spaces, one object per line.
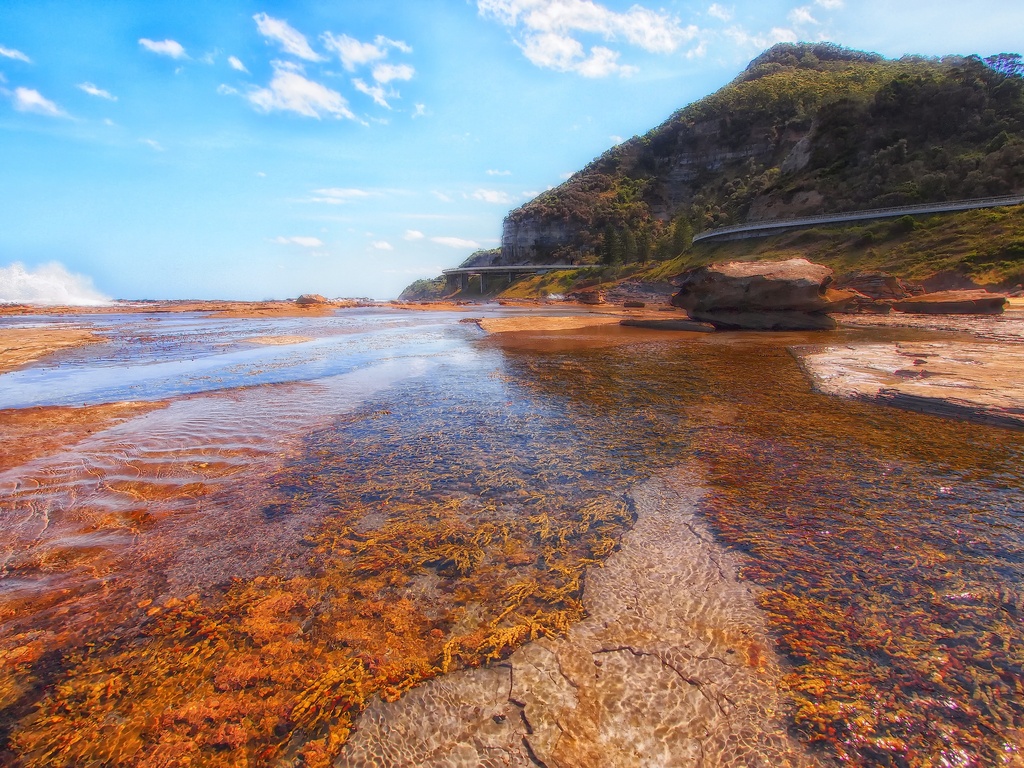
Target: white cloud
{"x":337,"y":195}
{"x":375,"y":92}
{"x":831,"y":5}
{"x":491,"y":196}
{"x":385,"y":73}
{"x":760,"y":42}
{"x":304,"y":241}
{"x":387,"y":42}
{"x":491,"y":172}
{"x":236,"y":64}
{"x":413,"y":234}
{"x":802,"y":15}
{"x":549,"y":29}
{"x":383,"y":245}
{"x":455,"y":242}
{"x":442,"y":196}
{"x":290,"y":39}
{"x":170,"y":48}
{"x":352,"y":52}
{"x":30,"y":100}
{"x":529,"y":194}
{"x":11,"y":53}
{"x":616,"y":139}
{"x":92,"y":90}
{"x":226,"y":90}
{"x":290,"y":91}
{"x":153,"y":144}
{"x":420,"y":110}
{"x":720,"y":12}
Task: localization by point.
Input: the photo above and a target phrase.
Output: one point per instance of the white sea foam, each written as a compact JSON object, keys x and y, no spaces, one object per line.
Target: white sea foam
{"x":49,"y":284}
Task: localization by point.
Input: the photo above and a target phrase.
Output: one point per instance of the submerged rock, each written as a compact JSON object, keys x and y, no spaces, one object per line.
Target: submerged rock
{"x":762,"y":295}
{"x":976,"y":302}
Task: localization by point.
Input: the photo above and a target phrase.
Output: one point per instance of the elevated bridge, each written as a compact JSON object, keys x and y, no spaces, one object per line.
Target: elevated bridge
{"x":773,"y":227}
{"x":459,"y":277}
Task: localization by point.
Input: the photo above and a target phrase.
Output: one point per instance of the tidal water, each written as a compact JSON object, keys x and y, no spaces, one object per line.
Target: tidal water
{"x":228,"y":576}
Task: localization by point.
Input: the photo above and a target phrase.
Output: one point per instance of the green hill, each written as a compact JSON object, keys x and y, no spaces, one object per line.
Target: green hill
{"x":805,"y":129}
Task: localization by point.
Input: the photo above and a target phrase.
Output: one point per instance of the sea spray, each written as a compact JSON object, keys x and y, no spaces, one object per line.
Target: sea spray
{"x":50,"y":285}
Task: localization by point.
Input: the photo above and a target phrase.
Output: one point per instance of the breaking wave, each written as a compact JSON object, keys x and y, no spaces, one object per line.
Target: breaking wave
{"x":50,"y":284}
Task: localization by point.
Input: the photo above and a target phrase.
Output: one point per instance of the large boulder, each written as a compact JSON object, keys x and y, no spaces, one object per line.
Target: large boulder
{"x":310,"y":300}
{"x":762,"y":295}
{"x":880,"y":285}
{"x":953,"y":303}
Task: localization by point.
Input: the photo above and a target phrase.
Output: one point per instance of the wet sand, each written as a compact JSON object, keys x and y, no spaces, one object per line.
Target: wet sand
{"x":20,"y":346}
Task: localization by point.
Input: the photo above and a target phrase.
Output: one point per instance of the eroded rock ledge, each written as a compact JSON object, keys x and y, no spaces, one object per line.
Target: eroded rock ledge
{"x":672,"y":667}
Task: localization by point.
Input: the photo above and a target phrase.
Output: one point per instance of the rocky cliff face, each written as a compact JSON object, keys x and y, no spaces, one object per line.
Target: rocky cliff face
{"x":805,"y":129}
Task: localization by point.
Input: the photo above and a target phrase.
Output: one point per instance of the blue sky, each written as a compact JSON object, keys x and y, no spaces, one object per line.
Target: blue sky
{"x":251,"y":150}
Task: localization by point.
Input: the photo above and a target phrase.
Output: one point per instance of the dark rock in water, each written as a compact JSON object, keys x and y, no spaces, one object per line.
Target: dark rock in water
{"x":310,"y":299}
{"x":670,"y":325}
{"x":766,"y":320}
{"x":953,"y":303}
{"x":762,"y":295}
{"x":587,"y":297}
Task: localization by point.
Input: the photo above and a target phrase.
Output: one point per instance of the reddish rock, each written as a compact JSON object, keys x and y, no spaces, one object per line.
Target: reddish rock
{"x":634,"y":304}
{"x":766,"y":320}
{"x":587,"y":297}
{"x":880,"y":285}
{"x":311,"y":299}
{"x":975,"y":302}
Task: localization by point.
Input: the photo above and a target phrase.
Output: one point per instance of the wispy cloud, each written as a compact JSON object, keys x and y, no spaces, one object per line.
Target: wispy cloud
{"x":831,"y":5}
{"x":290,"y":39}
{"x":491,"y":196}
{"x":353,"y":53}
{"x":442,"y":196}
{"x":375,"y":92}
{"x":171,"y":48}
{"x":741,"y":38}
{"x":455,"y":242}
{"x":420,"y":110}
{"x":720,"y":12}
{"x":290,"y":91}
{"x":413,"y":234}
{"x":494,"y":172}
{"x":93,"y":90}
{"x":549,"y":32}
{"x":801,"y":16}
{"x":382,"y":245}
{"x":304,"y":241}
{"x":337,"y":195}
{"x":385,"y":73}
{"x":153,"y":144}
{"x":236,"y":64}
{"x":11,"y":53}
{"x":30,"y":100}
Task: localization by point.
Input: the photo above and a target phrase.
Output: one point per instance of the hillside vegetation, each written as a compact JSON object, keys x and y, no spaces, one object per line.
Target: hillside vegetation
{"x":805,"y":129}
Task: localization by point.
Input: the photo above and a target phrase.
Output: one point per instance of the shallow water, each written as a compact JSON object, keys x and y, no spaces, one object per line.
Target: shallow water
{"x":229,"y":577}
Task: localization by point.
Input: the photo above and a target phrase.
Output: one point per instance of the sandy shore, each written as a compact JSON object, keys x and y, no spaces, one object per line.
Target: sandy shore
{"x":243,"y":309}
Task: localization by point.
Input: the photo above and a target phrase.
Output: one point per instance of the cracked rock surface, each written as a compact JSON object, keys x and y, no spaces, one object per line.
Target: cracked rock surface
{"x":672,"y":667}
{"x":974,"y":380}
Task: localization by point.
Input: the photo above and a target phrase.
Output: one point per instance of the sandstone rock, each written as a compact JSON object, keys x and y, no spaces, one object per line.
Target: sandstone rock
{"x":953,"y":303}
{"x":311,"y":299}
{"x":634,"y":304}
{"x":794,"y":284}
{"x":762,"y":295}
{"x":880,"y":285}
